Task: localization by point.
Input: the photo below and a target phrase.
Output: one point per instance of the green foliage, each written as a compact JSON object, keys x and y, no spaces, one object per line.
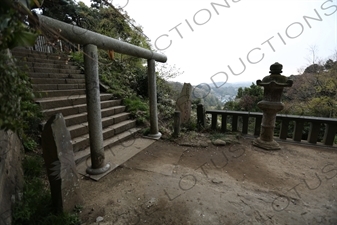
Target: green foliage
{"x":191,"y":125}
{"x":217,"y":135}
{"x":138,"y":108}
{"x":32,"y":167}
{"x":27,"y":210}
{"x":66,"y":11}
{"x":29,"y":144}
{"x":17,"y":108}
{"x":231,"y":105}
{"x":314,"y":93}
{"x":166,"y":110}
{"x":246,"y":99}
{"x":77,"y":58}
{"x":35,"y":206}
{"x":124,"y":78}
{"x":13,"y":30}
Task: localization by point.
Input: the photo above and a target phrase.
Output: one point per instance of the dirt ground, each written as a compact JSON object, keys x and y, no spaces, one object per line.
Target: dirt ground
{"x":180,"y":182}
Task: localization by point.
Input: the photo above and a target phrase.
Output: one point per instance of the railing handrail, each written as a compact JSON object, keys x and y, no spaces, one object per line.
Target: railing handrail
{"x":292,"y":117}
{"x":316,"y":123}
{"x":83,"y":36}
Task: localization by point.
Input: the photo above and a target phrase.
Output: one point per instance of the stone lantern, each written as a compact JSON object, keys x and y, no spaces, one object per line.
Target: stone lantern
{"x":271,"y":104}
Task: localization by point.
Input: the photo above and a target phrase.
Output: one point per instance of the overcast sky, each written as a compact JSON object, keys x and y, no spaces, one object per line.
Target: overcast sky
{"x":236,"y":40}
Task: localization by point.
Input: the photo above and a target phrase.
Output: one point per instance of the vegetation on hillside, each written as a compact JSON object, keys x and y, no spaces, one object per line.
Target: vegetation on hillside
{"x":36,"y":204}
{"x":313,"y":93}
{"x":246,"y":99}
{"x":17,"y":109}
{"x":18,"y":112}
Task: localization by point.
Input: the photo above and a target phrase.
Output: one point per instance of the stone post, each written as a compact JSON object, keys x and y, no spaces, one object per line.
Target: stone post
{"x":176,"y":124}
{"x":201,"y":120}
{"x":98,"y":165}
{"x":271,"y":104}
{"x":183,"y":103}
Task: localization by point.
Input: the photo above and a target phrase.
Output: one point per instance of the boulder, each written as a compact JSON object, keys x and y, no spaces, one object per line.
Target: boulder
{"x":11,"y":174}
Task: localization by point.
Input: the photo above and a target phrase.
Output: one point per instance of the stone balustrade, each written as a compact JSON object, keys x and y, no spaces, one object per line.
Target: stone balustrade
{"x":241,"y":121}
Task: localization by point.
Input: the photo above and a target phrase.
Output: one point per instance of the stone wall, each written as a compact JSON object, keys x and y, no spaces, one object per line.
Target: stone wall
{"x":11,"y":174}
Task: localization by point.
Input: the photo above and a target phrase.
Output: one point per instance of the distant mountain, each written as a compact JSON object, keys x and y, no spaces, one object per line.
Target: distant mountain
{"x":212,"y":95}
{"x":228,"y":91}
{"x":235,"y":84}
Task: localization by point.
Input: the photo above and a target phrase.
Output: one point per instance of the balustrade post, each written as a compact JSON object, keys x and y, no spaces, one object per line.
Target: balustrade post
{"x":245,"y":120}
{"x":214,"y":121}
{"x":224,"y":122}
{"x":298,"y":130}
{"x":234,"y":123}
{"x":176,"y":124}
{"x":313,"y":132}
{"x":284,"y":129}
{"x":330,"y":132}
{"x":270,"y":105}
{"x":201,"y":116}
{"x":258,"y":121}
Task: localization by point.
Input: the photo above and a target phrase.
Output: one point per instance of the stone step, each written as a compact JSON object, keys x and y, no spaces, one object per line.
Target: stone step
{"x":55,"y":75}
{"x":82,"y":117}
{"x":49,"y":61}
{"x":42,"y":87}
{"x":82,"y":155}
{"x":59,"y":87}
{"x":82,"y":129}
{"x":65,"y":65}
{"x":39,"y":55}
{"x":57,"y":81}
{"x":83,"y":142}
{"x":58,"y":102}
{"x":78,"y":108}
{"x":58,"y":93}
{"x":53,"y":70}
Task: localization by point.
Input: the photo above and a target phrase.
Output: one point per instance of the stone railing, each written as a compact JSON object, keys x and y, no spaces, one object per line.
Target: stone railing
{"x":242,"y":121}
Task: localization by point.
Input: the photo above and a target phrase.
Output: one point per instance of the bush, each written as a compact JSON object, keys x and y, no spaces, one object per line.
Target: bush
{"x":138,"y":109}
{"x":36,"y":204}
{"x":16,"y":96}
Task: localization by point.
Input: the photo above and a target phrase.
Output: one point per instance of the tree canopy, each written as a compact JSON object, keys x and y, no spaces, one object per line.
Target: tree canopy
{"x":246,"y":99}
{"x":315,"y":91}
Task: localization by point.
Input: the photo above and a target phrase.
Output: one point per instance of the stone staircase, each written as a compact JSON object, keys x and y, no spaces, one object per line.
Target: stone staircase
{"x":59,"y":87}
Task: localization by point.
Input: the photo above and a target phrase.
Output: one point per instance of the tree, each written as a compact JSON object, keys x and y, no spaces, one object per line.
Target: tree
{"x":330,"y":64}
{"x":16,"y":94}
{"x":63,"y":10}
{"x":314,"y":68}
{"x":240,"y":93}
{"x":315,"y":93}
{"x":246,"y":99}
